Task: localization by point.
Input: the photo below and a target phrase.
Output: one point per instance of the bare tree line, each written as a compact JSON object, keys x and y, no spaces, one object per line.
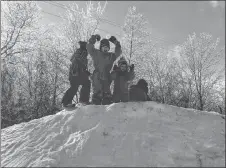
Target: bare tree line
{"x":35,"y":62}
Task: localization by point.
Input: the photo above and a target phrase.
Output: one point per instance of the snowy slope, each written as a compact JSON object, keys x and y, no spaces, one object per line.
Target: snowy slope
{"x":124,"y":134}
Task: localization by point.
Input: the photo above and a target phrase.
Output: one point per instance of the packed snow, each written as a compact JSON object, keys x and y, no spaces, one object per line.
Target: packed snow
{"x":122,"y":134}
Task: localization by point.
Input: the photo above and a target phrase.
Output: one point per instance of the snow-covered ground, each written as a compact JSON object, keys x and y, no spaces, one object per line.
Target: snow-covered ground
{"x":124,"y":134}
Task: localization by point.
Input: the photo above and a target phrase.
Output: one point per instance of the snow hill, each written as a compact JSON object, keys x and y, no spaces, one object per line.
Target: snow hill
{"x":123,"y":134}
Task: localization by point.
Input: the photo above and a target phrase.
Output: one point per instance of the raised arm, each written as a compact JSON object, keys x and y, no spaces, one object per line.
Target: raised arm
{"x":118,"y":49}
{"x":90,"y":46}
{"x":131,"y":73}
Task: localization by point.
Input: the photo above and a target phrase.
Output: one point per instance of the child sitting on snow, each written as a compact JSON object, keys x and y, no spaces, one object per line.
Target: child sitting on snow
{"x":139,"y":92}
{"x":120,"y":75}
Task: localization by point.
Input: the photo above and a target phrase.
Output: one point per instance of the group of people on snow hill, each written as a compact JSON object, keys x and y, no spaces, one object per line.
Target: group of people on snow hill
{"x":102,"y":76}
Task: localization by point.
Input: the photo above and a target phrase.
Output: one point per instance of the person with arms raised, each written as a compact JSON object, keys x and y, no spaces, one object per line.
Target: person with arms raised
{"x":121,"y":75}
{"x":103,"y":61}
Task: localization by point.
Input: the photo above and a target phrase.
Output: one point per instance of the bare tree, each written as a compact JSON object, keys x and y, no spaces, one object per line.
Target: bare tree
{"x":18,"y":19}
{"x":18,"y":36}
{"x":200,"y":60}
{"x":136,"y":37}
{"x":57,"y":61}
{"x":81,"y":23}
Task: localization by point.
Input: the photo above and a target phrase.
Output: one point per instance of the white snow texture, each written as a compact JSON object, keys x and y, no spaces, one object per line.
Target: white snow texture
{"x":123,"y":134}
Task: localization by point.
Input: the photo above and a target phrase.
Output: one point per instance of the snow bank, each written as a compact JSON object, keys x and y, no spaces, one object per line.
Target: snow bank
{"x":124,"y":134}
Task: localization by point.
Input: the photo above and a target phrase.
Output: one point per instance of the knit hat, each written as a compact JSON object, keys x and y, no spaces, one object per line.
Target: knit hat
{"x":104,"y":42}
{"x":82,"y":44}
{"x":142,"y":82}
{"x":122,"y":61}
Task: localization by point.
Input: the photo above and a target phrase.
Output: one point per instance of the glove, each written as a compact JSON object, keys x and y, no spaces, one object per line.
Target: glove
{"x":98,"y":37}
{"x":132,"y":67}
{"x":115,"y":67}
{"x":112,"y":39}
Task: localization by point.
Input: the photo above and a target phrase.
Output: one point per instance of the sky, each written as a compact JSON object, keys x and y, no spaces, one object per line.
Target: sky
{"x":170,"y":21}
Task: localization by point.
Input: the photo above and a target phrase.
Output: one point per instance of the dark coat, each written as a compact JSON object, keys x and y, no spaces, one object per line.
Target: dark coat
{"x":139,"y":91}
{"x":79,"y":63}
{"x":102,"y":62}
{"x":137,"y":94}
{"x":78,"y":75}
{"x":120,"y":79}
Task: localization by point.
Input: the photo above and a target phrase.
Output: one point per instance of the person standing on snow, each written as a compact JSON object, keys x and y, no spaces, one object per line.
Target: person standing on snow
{"x":103,"y":61}
{"x":120,"y":75}
{"x":78,"y":75}
{"x":139,"y":92}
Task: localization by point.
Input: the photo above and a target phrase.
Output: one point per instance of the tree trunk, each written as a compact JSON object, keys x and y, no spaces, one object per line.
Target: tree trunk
{"x":221,"y":111}
{"x":29,"y":80}
{"x":201,"y":105}
{"x":55,"y":88}
{"x":131,"y":46}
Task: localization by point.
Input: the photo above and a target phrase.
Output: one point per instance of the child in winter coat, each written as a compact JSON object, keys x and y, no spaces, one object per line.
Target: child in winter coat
{"x":78,"y":75}
{"x":120,"y":75}
{"x":79,"y":60}
{"x":103,"y":61}
{"x":139,"y":92}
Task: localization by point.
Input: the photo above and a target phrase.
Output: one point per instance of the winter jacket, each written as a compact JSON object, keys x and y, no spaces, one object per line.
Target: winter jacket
{"x":137,"y":94}
{"x":79,"y":63}
{"x":121,"y":79}
{"x":139,"y":91}
{"x":102,"y":61}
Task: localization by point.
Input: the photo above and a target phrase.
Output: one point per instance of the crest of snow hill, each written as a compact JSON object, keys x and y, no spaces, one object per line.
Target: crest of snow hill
{"x":123,"y":134}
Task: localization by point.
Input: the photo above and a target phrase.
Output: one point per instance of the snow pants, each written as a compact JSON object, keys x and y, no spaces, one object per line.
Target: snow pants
{"x":75,"y":82}
{"x":101,"y":90}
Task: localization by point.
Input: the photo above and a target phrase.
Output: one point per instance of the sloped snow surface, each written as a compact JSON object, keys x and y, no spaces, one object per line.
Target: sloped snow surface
{"x":124,"y":134}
